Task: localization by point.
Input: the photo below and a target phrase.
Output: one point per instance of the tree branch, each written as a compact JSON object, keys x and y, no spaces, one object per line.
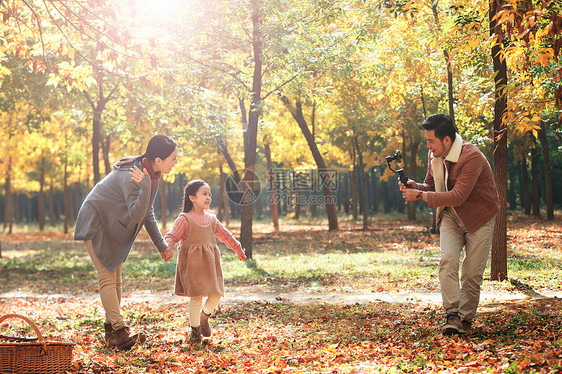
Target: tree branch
{"x":223,"y":71}
{"x":91,"y":27}
{"x":89,"y":99}
{"x":38,"y":20}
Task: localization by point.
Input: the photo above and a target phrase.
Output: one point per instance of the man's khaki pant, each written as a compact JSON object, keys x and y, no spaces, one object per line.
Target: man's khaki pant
{"x":110,"y":289}
{"x":462,"y":298}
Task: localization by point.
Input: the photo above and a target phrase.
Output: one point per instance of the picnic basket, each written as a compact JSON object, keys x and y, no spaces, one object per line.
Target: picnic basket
{"x":30,"y":355}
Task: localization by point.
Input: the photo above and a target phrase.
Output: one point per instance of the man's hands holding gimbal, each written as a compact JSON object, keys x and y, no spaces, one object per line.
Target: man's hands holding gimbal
{"x":410,"y":193}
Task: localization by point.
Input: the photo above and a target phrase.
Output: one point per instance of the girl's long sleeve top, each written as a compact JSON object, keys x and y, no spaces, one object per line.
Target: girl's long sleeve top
{"x":180,"y":231}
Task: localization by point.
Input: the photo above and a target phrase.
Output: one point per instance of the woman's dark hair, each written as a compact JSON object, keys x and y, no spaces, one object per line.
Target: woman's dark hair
{"x":191,"y":189}
{"x":160,"y":146}
{"x":442,"y":124}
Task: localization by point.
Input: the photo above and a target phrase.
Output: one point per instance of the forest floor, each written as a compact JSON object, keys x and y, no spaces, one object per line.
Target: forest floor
{"x":310,"y":301}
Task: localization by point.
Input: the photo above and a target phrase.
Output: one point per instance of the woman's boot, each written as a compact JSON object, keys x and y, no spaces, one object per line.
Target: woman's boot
{"x":205,"y":327}
{"x":195,"y":335}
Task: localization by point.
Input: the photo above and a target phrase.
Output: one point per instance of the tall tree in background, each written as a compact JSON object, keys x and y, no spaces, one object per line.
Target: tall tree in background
{"x":499,"y":244}
{"x":256,"y":105}
{"x":547,"y":172}
{"x":297,"y":113}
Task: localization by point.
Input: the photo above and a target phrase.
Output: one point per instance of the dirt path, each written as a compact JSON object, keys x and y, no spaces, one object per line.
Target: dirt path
{"x":236,"y":295}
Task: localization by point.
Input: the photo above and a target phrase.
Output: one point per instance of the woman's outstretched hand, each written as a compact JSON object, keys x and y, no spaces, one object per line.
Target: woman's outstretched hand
{"x":137,"y":175}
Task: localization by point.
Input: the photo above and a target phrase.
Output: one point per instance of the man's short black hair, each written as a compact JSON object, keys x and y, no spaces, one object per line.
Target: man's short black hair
{"x":442,"y":124}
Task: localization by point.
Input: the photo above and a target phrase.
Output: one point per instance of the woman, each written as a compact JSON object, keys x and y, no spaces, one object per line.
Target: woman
{"x":110,"y":219}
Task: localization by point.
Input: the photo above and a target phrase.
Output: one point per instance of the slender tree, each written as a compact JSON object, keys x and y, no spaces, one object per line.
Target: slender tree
{"x":499,"y":244}
{"x":547,"y":173}
{"x":297,"y":113}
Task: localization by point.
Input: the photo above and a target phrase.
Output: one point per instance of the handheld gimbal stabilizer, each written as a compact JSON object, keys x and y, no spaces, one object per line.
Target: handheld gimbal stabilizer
{"x":401,"y":173}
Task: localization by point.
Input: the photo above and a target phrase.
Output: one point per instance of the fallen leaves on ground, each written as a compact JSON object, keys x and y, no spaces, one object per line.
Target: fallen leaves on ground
{"x":260,"y":337}
{"x":522,"y":336}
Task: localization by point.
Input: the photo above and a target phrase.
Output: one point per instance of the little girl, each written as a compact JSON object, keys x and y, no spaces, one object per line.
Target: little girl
{"x":198,"y":271}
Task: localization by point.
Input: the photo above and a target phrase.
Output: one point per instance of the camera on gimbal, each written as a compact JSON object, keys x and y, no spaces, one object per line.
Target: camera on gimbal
{"x":397,"y":156}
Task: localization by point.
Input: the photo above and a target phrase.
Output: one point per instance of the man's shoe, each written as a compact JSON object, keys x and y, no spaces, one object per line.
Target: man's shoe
{"x":123,"y":340}
{"x":108,"y":329}
{"x":453,"y":325}
{"x":205,"y":327}
{"x":467,"y":327}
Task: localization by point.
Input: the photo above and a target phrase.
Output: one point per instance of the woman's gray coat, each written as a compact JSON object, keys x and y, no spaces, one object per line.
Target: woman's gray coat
{"x":113,"y":214}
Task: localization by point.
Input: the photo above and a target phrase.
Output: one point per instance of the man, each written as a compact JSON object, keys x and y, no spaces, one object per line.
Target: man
{"x":460,"y":184}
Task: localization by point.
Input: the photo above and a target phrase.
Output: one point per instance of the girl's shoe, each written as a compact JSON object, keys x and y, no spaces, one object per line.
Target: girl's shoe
{"x":205,"y":327}
{"x":195,"y":335}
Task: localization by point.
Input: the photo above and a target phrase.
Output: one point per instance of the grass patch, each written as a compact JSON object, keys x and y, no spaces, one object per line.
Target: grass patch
{"x":391,"y":255}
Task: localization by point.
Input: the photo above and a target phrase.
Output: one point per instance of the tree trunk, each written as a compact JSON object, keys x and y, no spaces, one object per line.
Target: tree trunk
{"x":363,"y":185}
{"x":354,"y":194}
{"x":220,"y":208}
{"x":447,"y":62}
{"x":8,"y":218}
{"x":163,"y":203}
{"x":547,"y":174}
{"x":312,"y":210}
{"x":526,"y":195}
{"x":325,"y":178}
{"x":41,"y":203}
{"x":343,"y":193}
{"x":499,"y":243}
{"x":296,"y":206}
{"x":105,"y":145}
{"x":96,"y":133}
{"x":52,"y":218}
{"x":272,"y":187}
{"x":247,"y":210}
{"x":16,"y":209}
{"x":97,"y":110}
{"x":230,"y":162}
{"x":244,"y":121}
{"x":223,"y":200}
{"x":66,"y":199}
{"x":374,"y":191}
{"x":235,"y":174}
{"x":513,"y":175}
{"x":535,"y":191}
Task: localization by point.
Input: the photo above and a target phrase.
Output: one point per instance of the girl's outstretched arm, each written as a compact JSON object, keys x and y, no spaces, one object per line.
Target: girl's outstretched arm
{"x":226,"y":236}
